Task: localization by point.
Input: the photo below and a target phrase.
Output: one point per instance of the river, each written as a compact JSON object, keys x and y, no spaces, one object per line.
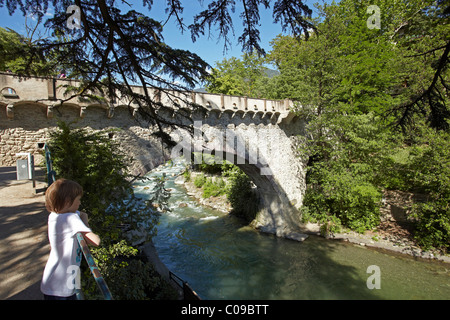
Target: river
{"x":223,"y":259}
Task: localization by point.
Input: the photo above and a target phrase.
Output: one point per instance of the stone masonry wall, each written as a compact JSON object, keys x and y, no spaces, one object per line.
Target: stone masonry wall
{"x":31,"y":126}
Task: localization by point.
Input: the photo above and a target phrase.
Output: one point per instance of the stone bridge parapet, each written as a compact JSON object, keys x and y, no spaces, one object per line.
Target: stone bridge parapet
{"x":51,"y":92}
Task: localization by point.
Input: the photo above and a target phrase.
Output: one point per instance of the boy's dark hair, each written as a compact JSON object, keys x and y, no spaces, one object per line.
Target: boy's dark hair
{"x":60,"y":193}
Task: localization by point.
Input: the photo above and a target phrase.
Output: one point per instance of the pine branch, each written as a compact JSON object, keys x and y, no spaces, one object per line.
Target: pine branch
{"x":432,"y":96}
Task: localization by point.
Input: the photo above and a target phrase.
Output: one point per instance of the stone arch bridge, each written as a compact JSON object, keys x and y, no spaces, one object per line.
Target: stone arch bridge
{"x":260,"y":136}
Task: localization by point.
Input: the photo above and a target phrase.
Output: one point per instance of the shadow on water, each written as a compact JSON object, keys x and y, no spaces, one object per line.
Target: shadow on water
{"x":222,"y":259}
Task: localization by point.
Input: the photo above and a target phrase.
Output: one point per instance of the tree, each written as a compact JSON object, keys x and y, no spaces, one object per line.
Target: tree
{"x":127,"y":48}
{"x":353,"y":82}
{"x":396,"y":71}
{"x":11,"y":43}
{"x":15,"y":49}
{"x":93,"y":160}
{"x":240,"y":77}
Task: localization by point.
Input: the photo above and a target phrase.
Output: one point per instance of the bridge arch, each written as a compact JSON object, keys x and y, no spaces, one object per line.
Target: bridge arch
{"x":278,"y":187}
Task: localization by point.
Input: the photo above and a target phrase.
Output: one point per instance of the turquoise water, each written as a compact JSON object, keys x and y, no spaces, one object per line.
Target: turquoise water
{"x":222,"y":259}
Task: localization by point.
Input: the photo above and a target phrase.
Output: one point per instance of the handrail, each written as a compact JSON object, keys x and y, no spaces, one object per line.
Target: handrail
{"x":188,"y":292}
{"x":93,"y":267}
{"x":51,"y":174}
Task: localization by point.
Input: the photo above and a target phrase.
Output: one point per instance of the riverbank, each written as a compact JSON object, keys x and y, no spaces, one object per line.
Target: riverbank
{"x":219,"y":203}
{"x":372,"y":239}
{"x":391,"y":235}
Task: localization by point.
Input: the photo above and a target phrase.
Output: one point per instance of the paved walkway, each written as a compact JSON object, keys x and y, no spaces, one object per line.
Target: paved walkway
{"x":24,"y":244}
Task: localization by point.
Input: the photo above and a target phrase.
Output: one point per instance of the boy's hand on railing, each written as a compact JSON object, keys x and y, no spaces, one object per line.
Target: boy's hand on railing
{"x":91,"y":238}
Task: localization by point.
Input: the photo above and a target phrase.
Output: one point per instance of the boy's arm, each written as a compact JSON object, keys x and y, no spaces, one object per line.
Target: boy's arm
{"x":91,"y":238}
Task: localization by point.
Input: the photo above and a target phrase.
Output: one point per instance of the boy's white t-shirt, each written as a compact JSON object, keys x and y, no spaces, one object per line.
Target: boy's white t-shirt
{"x":65,"y":254}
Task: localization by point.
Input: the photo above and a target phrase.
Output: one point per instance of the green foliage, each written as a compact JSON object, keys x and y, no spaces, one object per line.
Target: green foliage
{"x":354,"y":86}
{"x":243,"y":199}
{"x":187,"y":175}
{"x":208,"y":165}
{"x":240,"y":77}
{"x":11,"y":43}
{"x":238,"y":188}
{"x":15,"y":49}
{"x":345,"y":157}
{"x":429,"y":169}
{"x":433,"y":226}
{"x":130,"y":278}
{"x":353,"y":82}
{"x":213,"y":188}
{"x":199,"y":180}
{"x":329,"y":224}
{"x":161,"y":195}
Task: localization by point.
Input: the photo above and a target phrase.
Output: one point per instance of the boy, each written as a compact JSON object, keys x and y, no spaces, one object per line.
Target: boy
{"x":62,"y":200}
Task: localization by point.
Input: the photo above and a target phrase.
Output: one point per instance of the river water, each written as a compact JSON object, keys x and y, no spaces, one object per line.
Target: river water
{"x":222,"y":259}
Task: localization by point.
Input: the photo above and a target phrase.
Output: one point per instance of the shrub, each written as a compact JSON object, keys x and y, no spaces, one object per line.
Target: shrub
{"x":199,"y":180}
{"x":244,"y":201}
{"x":129,"y":277}
{"x":433,"y":224}
{"x":213,"y":188}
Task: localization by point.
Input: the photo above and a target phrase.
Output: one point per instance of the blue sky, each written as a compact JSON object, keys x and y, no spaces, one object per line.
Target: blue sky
{"x":209,"y":50}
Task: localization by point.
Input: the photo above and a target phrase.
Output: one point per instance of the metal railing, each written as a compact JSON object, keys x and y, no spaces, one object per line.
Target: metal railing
{"x":188,"y":292}
{"x":51,"y":174}
{"x":101,"y":283}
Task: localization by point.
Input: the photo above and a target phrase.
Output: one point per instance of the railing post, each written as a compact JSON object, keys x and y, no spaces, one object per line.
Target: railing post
{"x":48,"y":160}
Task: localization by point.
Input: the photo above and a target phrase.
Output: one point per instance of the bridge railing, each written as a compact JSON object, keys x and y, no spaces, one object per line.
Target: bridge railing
{"x":51,"y":174}
{"x":46,"y":90}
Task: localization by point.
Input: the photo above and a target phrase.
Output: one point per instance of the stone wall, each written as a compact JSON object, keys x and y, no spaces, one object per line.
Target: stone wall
{"x":31,"y":126}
